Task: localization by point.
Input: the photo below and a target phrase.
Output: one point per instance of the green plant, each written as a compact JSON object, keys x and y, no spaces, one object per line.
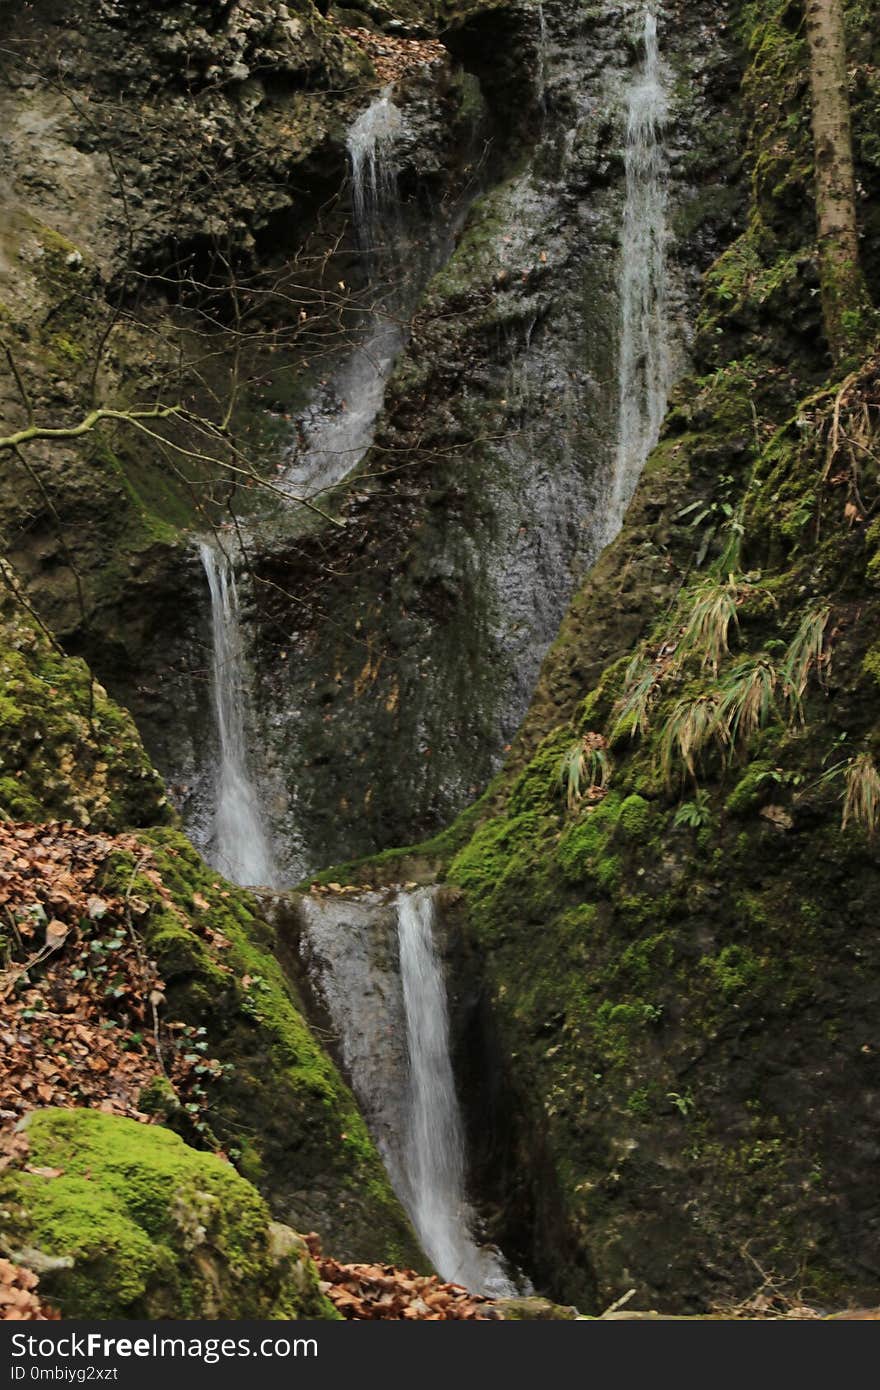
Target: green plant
{"x":806,"y":650}
{"x":711,"y":516}
{"x":781,"y":777}
{"x":694,"y":814}
{"x":712,"y":611}
{"x":585,"y":768}
{"x":747,"y":698}
{"x":640,"y":690}
{"x":861,"y":797}
{"x":693,"y":723}
{"x":683,"y":1104}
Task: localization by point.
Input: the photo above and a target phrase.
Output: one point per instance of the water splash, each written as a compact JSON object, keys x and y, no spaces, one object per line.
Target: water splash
{"x":644,"y":372}
{"x":371,"y":141}
{"x":239,"y":846}
{"x":434,"y":1149}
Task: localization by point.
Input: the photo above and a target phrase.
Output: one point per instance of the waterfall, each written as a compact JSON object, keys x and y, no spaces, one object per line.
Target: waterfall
{"x":337,"y":428}
{"x":370,"y":144}
{"x":373,"y":962}
{"x":434,"y":1147}
{"x":239,"y":846}
{"x":644,"y":371}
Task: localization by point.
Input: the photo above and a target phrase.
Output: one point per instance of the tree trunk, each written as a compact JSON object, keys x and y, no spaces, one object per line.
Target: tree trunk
{"x":846,"y":307}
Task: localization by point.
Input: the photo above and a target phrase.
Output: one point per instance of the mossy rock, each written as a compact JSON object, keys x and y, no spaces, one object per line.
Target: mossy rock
{"x":138,"y":1225}
{"x":68,"y":751}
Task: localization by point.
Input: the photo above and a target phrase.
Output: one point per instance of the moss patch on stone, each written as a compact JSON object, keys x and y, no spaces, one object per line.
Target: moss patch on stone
{"x":67,"y":752}
{"x":137,"y":1224}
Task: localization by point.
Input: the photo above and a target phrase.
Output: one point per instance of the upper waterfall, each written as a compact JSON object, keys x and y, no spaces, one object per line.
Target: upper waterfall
{"x":370,"y":144}
{"x":644,"y":369}
{"x":337,"y":427}
{"x":239,"y":846}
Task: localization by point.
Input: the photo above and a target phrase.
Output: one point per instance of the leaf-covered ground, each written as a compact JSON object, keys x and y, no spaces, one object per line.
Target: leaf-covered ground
{"x":19,"y":1301}
{"x":83,"y":1018}
{"x":375,"y":1291}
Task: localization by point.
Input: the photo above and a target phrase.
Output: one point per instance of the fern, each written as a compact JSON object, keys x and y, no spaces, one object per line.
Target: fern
{"x":695,"y":814}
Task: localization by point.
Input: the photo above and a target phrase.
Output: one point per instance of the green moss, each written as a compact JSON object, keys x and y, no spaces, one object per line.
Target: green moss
{"x":734,"y":969}
{"x":585,"y":842}
{"x":871,"y":663}
{"x":635,"y":817}
{"x":494,"y":847}
{"x":73,"y":352}
{"x":539,"y":786}
{"x":140,"y":1225}
{"x":67,"y":751}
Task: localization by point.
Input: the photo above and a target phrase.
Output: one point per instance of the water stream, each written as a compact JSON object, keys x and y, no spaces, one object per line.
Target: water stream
{"x":337,"y":427}
{"x":644,"y":368}
{"x":434,"y":1150}
{"x":239,"y":846}
{"x":374,"y":962}
{"x":371,"y":144}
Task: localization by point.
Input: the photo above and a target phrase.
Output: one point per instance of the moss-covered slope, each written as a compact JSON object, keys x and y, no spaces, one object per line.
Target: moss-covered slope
{"x":67,"y":752}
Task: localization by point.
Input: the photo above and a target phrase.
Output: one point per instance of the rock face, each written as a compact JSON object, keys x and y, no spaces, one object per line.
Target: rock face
{"x":680,"y":970}
{"x":481,"y":502}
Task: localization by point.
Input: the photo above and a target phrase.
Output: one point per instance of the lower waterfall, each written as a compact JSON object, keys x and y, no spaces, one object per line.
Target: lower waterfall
{"x":374,"y":963}
{"x":434,"y":1148}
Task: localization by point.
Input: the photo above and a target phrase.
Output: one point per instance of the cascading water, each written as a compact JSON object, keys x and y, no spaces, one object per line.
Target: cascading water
{"x":434,"y":1149}
{"x":239,"y":846}
{"x":337,"y":428}
{"x":374,"y":963}
{"x":370,"y":143}
{"x":644,"y":372}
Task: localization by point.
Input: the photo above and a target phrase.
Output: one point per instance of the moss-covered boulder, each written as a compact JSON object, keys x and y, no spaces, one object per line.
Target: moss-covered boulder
{"x":121,"y":1219}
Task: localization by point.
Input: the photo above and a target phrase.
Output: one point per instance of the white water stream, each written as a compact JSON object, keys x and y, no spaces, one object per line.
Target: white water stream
{"x":644,"y":372}
{"x":371,"y":144}
{"x":337,"y":427}
{"x":434,"y":1164}
{"x":374,"y":963}
{"x":239,"y":845}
